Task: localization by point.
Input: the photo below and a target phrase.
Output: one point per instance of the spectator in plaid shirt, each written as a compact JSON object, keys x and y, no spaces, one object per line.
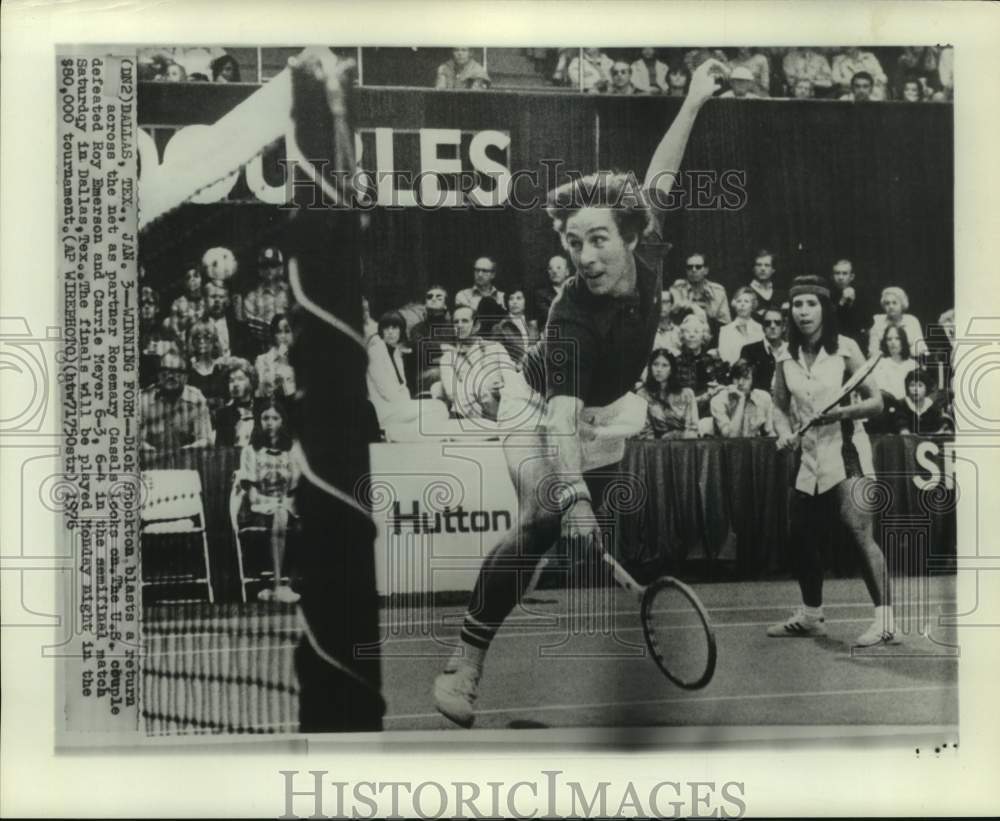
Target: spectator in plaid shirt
{"x":172,"y":414}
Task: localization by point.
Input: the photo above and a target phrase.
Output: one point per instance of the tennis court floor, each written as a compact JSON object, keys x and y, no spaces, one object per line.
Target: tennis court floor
{"x":576,"y":658}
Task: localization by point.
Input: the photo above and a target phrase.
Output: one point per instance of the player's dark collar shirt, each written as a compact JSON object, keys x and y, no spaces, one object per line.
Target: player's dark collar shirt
{"x":595,"y":347}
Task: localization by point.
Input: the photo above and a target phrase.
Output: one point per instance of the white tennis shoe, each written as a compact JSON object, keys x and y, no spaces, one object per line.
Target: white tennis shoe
{"x":455,"y":693}
{"x":799,"y":625}
{"x":877,"y":634}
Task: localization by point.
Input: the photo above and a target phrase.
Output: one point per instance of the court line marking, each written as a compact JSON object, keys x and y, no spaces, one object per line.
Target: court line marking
{"x":563,"y":617}
{"x":505,"y":636}
{"x":695,"y":700}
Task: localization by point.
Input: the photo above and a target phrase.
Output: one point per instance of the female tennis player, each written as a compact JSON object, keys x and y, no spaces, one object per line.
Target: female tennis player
{"x":602,"y":328}
{"x":835,"y":455}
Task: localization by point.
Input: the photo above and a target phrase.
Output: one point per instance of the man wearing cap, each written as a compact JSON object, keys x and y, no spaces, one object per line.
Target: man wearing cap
{"x":271,"y":297}
{"x":483,"y":273}
{"x":741,"y":84}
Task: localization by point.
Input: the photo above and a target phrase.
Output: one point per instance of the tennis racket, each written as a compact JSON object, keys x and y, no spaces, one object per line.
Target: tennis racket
{"x":676,"y":627}
{"x":856,"y":379}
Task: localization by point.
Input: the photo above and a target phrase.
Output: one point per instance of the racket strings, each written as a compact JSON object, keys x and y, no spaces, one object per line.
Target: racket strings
{"x":678,"y":633}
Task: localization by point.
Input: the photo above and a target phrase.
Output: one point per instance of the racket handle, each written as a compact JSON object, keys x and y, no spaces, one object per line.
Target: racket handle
{"x":621,"y":575}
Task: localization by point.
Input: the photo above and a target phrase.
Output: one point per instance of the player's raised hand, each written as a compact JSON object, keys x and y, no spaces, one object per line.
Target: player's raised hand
{"x":705,"y":81}
{"x":333,"y":72}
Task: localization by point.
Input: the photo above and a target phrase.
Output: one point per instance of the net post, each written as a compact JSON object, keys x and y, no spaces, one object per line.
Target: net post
{"x":339,"y":691}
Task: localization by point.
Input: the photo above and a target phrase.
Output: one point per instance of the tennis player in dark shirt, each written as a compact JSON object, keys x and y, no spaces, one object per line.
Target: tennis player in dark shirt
{"x":598,"y":336}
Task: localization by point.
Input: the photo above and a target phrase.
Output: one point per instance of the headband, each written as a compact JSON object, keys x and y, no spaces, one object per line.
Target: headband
{"x":818,"y":290}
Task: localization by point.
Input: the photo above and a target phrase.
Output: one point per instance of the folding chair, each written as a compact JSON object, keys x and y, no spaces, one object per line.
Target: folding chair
{"x":173,"y":514}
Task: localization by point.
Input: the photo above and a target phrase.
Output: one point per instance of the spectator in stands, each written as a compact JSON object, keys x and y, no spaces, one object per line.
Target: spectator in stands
{"x":558,"y":271}
{"x":149,"y":309}
{"x":560,"y":74}
{"x":472,"y":369}
{"x":697,"y":289}
{"x":206,"y":367}
{"x":743,"y":330}
{"x":947,"y":323}
{"x":649,"y":74}
{"x":369,"y":326}
{"x":854,"y":61}
{"x":920,"y":411}
{"x":459,"y":70}
{"x":672,"y":412}
{"x":696,"y":56}
{"x":272,"y":295}
{"x":678,"y":80}
{"x":268,"y":474}
{"x":946,"y":75}
{"x":911,"y":92}
{"x":225,"y":69}
{"x":852,"y":320}
{"x":175,"y":73}
{"x":807,"y":64}
{"x":696,"y":368}
{"x":232,"y":335}
{"x":180,"y":318}
{"x":741,"y":410}
{"x":483,"y":273}
{"x":862,"y":88}
{"x":896,"y":362}
{"x":621,"y":79}
{"x":803,"y":89}
{"x":592,"y":73}
{"x":191,"y":300}
{"x":494,"y":324}
{"x":275,"y":375}
{"x":759,"y":67}
{"x":763,"y":355}
{"x":895,"y":302}
{"x":387,"y":388}
{"x":517,"y":319}
{"x":762,"y":284}
{"x":916,"y":63}
{"x":668,"y":334}
{"x":427,"y":337}
{"x":156,"y":343}
{"x":234,"y":421}
{"x":172,"y":414}
{"x":741,"y":84}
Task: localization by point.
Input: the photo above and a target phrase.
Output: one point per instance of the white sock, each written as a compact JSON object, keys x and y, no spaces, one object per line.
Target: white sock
{"x":467,"y":654}
{"x":883,"y":616}
{"x":813,"y":612}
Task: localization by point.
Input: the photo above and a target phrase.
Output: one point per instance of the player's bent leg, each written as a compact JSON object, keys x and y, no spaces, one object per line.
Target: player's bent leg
{"x":503,"y":578}
{"x":859,"y":522}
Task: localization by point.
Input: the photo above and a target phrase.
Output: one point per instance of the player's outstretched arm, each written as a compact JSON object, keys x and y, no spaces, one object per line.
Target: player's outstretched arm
{"x":666,"y":161}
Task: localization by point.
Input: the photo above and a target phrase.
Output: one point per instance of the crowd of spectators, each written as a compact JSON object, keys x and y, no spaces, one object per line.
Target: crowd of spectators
{"x":906,"y":73}
{"x":213,"y":358}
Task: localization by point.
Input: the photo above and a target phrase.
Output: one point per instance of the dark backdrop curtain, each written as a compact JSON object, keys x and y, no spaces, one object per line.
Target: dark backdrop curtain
{"x":823,"y":180}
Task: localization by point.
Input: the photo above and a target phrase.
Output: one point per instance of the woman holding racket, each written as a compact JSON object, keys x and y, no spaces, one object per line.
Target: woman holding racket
{"x":835,"y":454}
